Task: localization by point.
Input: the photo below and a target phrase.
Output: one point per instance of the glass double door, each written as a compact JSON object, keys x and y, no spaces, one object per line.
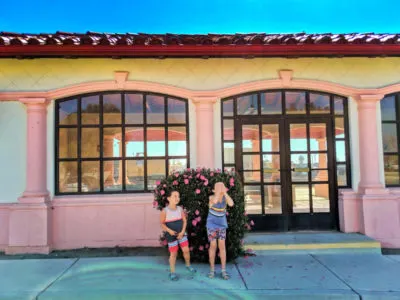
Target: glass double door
{"x":287,"y":172}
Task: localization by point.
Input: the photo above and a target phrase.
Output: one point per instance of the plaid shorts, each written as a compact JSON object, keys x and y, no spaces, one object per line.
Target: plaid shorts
{"x":216,"y":234}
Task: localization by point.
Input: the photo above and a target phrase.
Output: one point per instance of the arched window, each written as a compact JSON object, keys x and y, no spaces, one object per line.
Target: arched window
{"x":119,"y":142}
{"x":390,"y":115}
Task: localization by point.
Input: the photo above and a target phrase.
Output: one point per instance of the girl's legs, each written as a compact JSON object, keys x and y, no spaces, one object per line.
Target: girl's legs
{"x":186,"y":256}
{"x":222,"y":253}
{"x":211,"y":253}
{"x":172,"y":261}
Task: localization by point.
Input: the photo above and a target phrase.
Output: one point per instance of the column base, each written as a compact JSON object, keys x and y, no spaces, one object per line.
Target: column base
{"x":12,"y":250}
{"x":30,"y":226}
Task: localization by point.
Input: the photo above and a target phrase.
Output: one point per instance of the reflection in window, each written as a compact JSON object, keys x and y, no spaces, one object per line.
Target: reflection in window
{"x":390,"y":115}
{"x":119,"y":142}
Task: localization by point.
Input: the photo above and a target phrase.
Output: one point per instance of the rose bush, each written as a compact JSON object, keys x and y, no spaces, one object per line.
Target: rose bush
{"x":195,"y":186}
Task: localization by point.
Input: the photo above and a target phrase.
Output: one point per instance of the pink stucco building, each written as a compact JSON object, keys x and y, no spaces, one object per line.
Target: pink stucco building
{"x":89,"y":122}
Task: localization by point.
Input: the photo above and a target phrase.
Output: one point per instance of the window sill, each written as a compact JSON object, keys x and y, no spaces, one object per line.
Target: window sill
{"x":96,"y":200}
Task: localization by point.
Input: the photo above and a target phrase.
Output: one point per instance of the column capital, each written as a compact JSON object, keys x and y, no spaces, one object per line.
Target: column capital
{"x":368,"y":98}
{"x":204,"y":99}
{"x":34,"y":101}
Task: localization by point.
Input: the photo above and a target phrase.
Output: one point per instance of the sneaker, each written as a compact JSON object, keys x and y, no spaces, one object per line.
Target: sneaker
{"x":191,"y":269}
{"x":173,"y":276}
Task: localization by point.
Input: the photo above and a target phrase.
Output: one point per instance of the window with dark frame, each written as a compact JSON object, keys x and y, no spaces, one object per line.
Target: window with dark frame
{"x":390,"y":116}
{"x":119,"y":142}
{"x":286,"y":103}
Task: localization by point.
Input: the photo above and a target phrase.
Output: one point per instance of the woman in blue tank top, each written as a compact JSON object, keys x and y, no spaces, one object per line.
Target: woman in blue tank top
{"x":216,"y":227}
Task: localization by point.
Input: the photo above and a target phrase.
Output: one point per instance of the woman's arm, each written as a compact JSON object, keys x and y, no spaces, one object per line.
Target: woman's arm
{"x":228,"y":199}
{"x":163,"y":216}
{"x":184,"y":220}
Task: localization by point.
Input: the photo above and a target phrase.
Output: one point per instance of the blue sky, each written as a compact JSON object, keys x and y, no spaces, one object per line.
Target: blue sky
{"x":218,"y":16}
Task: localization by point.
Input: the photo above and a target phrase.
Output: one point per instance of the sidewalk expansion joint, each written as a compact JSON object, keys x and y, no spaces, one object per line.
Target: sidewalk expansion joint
{"x":58,"y":277}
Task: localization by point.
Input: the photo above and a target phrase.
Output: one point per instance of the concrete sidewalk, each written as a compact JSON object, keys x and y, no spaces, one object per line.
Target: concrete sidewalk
{"x":289,"y":276}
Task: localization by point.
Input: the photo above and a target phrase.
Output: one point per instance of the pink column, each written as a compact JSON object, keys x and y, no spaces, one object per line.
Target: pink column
{"x":368,"y":139}
{"x":205,"y":131}
{"x":36,"y":151}
{"x":30,"y":219}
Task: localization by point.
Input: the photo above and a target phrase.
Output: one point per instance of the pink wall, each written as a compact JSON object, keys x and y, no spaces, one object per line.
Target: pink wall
{"x":4,"y":210}
{"x":105,"y":221}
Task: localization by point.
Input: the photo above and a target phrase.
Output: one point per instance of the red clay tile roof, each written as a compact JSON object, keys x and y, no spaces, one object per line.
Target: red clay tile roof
{"x":91,"y":44}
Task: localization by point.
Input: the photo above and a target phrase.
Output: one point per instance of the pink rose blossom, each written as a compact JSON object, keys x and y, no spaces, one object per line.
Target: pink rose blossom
{"x":218,"y":170}
{"x":164,"y":242}
{"x":202,"y":177}
{"x":155,"y":203}
{"x":212,"y":174}
{"x":245,"y":213}
{"x":193,"y":234}
{"x":198,"y":175}
{"x":201,"y":248}
{"x":175,"y":182}
{"x":190,"y":177}
{"x":226,"y":189}
{"x":188,"y":169}
{"x":207,"y":246}
{"x":186,"y":181}
{"x":198,"y":219}
{"x":227,"y":213}
{"x":158,"y":182}
{"x":164,"y":185}
{"x":206,"y":182}
{"x":162,"y":192}
{"x":176,"y":175}
{"x":252,"y":223}
{"x":231,"y":184}
{"x":185,"y":176}
{"x":191,"y":248}
{"x":197,"y":212}
{"x":194,"y":222}
{"x":197,"y":191}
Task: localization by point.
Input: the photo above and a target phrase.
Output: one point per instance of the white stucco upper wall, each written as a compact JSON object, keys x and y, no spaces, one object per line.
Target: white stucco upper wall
{"x":195,"y":74}
{"x":12,"y":151}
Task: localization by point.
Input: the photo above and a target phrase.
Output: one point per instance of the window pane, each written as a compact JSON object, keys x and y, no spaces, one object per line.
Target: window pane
{"x":177,"y":165}
{"x":68,"y":177}
{"x":177,"y":141}
{"x":229,"y":134}
{"x":318,"y":139}
{"x":319,"y":175}
{"x":229,"y":153}
{"x":319,"y":104}
{"x":252,"y":199}
{"x":389,"y":137}
{"x":135,"y":175}
{"x":67,"y":143}
{"x":227,"y":108}
{"x":176,"y":111}
{"x":298,"y":137}
{"x":391,"y":169}
{"x":155,"y":109}
{"x":251,"y":176}
{"x":300,"y":162}
{"x":155,"y":171}
{"x":320,"y":196}
{"x":133,"y":109}
{"x":112,"y":175}
{"x":270,"y":138}
{"x":68,"y":112}
{"x":155,"y":141}
{"x":112,"y":142}
{"x":319,"y":160}
{"x":251,"y":162}
{"x":90,"y":143}
{"x":90,"y":176}
{"x":301,"y":198}
{"x":247,"y":105}
{"x":339,"y":128}
{"x":338,"y":105}
{"x":388,"y":109}
{"x":295,"y":102}
{"x":134,"y":141}
{"x":90,"y":110}
{"x":112,"y":109}
{"x":250,"y":138}
{"x":341,"y":175}
{"x":271,"y":103}
{"x":272,"y":199}
{"x":340,"y":151}
{"x":271,"y":167}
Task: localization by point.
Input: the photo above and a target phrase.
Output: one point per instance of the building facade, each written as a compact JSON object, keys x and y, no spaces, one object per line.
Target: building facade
{"x":89,"y":123}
